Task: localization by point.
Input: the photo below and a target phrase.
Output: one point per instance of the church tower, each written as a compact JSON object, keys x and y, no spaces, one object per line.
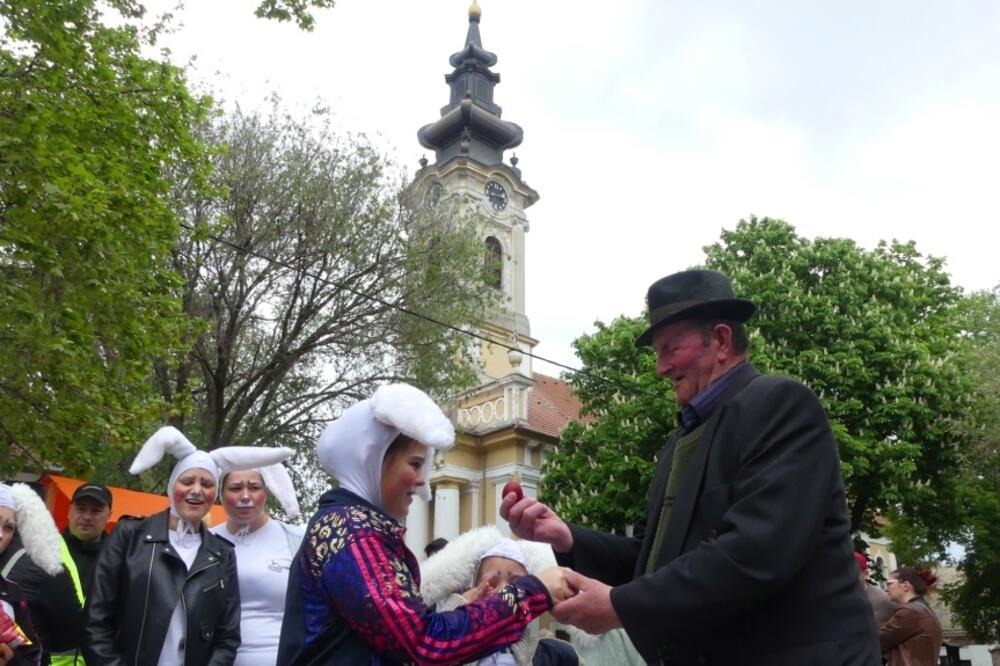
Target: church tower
{"x":507,"y":421}
{"x":469,"y":140}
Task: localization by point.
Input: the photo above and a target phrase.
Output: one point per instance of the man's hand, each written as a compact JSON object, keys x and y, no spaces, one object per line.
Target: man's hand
{"x":590,"y":608}
{"x":6,"y":654}
{"x":556,"y":580}
{"x":531,"y":520}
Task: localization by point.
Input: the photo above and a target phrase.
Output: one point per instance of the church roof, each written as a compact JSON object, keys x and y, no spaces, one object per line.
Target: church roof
{"x":552,"y":405}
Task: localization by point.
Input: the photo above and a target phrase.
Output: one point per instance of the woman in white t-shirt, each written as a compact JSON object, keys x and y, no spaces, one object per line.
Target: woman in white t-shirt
{"x":265,"y":548}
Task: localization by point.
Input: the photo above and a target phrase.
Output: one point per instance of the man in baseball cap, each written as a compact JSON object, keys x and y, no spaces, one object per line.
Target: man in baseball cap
{"x":89,"y":511}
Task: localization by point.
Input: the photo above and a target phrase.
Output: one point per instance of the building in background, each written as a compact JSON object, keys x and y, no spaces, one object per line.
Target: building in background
{"x":505,"y":424}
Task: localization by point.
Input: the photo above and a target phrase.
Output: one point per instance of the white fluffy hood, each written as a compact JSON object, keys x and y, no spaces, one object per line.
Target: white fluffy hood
{"x":452,"y":570}
{"x":38,"y":531}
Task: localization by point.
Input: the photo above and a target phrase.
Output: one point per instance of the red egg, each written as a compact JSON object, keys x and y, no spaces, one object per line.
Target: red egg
{"x":513,"y":487}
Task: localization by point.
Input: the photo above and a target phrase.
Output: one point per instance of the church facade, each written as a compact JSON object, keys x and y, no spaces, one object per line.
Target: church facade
{"x":507,"y":423}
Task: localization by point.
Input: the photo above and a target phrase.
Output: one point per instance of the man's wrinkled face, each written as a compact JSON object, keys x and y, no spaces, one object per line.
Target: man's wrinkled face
{"x":683,"y":357}
{"x":87,"y":518}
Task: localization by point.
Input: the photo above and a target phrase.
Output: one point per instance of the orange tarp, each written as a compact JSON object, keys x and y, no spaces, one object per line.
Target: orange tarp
{"x":59,"y":490}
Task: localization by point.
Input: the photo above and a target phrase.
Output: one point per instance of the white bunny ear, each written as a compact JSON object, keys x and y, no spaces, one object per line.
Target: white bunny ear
{"x":280,"y":485}
{"x":167,"y":439}
{"x":38,"y":531}
{"x":230,"y":458}
{"x":413,"y":413}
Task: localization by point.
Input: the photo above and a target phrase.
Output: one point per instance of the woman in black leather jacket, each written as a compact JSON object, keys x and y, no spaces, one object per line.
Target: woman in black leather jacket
{"x":165,"y":590}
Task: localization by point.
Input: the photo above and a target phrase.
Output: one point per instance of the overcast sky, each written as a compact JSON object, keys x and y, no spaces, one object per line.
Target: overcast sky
{"x":651,"y":125}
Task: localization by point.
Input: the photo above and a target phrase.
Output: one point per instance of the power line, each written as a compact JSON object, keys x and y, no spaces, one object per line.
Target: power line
{"x":472,"y":334}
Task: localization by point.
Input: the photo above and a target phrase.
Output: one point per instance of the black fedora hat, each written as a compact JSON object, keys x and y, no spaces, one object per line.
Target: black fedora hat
{"x":692,"y":294}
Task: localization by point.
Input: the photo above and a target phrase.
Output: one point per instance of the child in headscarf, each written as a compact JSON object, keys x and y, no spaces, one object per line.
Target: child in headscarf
{"x":479,"y":562}
{"x":354,"y":589}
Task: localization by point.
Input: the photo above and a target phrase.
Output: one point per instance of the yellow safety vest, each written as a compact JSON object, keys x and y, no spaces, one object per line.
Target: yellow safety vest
{"x":73,"y":657}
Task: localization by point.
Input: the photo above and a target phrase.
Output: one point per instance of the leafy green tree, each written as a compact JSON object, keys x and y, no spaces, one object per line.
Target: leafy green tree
{"x":302,"y":266}
{"x":87,"y":126}
{"x":293,"y":10}
{"x":873,"y":333}
{"x":876,"y":335}
{"x":974,"y":600}
{"x":601,"y":472}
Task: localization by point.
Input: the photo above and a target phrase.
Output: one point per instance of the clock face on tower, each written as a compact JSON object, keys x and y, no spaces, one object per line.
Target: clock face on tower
{"x":496,"y":195}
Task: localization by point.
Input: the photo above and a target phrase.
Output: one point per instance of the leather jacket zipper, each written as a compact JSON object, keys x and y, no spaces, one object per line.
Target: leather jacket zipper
{"x":149,"y":582}
{"x":187,"y":627}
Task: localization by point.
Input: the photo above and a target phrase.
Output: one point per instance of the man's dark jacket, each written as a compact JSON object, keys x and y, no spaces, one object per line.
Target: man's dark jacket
{"x":85,"y":554}
{"x":138,"y":583}
{"x":55,"y":609}
{"x":756,"y":565}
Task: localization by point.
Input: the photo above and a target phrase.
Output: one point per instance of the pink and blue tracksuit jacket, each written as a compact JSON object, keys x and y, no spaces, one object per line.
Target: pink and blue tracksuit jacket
{"x":354,"y":598}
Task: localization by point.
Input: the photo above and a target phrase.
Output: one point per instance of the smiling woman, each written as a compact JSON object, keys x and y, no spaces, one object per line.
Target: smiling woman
{"x":150,"y":565}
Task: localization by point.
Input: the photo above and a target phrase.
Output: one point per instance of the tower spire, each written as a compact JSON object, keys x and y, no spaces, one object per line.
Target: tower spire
{"x":470,"y":124}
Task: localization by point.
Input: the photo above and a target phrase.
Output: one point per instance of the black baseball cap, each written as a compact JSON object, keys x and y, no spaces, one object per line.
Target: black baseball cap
{"x":94,"y":490}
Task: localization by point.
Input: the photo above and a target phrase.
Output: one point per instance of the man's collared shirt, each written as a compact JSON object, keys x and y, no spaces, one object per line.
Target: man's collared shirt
{"x":702,"y":405}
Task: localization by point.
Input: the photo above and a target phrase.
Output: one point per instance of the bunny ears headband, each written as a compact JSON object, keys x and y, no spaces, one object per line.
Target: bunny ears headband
{"x":218,"y":462}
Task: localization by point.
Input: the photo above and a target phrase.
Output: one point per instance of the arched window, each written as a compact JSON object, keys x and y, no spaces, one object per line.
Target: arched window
{"x":493,"y":263}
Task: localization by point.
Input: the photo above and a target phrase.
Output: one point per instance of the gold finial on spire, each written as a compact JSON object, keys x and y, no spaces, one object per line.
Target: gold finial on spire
{"x":474,"y":11}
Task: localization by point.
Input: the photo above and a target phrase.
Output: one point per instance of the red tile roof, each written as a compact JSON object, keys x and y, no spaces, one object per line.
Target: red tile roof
{"x":552,"y":405}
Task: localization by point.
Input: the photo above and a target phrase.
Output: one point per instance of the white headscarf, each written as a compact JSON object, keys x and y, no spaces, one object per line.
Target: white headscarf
{"x":508,"y":549}
{"x":352,"y":448}
{"x":38,"y":531}
{"x":169,"y":439}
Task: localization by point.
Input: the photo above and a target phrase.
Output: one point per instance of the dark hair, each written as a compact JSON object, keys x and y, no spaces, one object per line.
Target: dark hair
{"x":919,"y":579}
{"x":741,"y":339}
{"x":435,"y":546}
{"x":398,"y":446}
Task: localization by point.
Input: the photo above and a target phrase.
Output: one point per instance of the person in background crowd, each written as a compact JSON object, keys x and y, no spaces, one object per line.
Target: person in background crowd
{"x":23,"y":512}
{"x":912,"y":636}
{"x":435,"y":546}
{"x":882,"y":606}
{"x":264,"y":551}
{"x":53,"y":601}
{"x":752,"y":463}
{"x":89,"y":511}
{"x":165,"y":590}
{"x":353,"y":593}
{"x":476,"y":564}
